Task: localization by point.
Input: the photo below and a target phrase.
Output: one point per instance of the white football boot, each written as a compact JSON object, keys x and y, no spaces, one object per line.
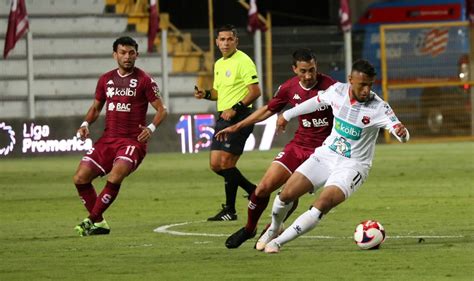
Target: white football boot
{"x":272,"y":247}
{"x":267,"y":237}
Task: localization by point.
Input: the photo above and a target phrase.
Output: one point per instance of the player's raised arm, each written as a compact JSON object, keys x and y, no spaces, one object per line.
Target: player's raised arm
{"x":306,"y":107}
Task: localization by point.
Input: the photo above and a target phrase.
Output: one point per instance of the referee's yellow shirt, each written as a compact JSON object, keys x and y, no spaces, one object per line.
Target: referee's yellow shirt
{"x":231,"y":78}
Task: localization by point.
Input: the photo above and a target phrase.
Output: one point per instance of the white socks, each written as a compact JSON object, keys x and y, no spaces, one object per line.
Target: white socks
{"x":279,"y":211}
{"x":304,"y":223}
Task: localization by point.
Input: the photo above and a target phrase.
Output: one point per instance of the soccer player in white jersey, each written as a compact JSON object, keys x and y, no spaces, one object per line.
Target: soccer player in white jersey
{"x":343,"y":162}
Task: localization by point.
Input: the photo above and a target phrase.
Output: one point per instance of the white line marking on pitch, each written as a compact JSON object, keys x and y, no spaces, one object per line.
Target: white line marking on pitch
{"x":166,"y":229}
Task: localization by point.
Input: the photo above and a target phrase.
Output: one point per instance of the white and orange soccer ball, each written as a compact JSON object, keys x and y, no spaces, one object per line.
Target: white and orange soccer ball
{"x":369,"y":235}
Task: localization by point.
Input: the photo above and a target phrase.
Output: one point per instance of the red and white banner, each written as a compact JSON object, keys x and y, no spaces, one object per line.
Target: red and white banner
{"x":153,"y":25}
{"x":345,"y":15}
{"x":254,"y":22}
{"x":433,"y":42}
{"x":17,"y":25}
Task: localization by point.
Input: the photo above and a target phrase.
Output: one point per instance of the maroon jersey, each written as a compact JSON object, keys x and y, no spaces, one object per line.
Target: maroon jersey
{"x":314,"y":127}
{"x":127,"y":99}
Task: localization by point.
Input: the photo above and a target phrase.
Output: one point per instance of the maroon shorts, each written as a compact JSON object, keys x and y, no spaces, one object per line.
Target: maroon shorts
{"x":108,"y":150}
{"x":293,"y":155}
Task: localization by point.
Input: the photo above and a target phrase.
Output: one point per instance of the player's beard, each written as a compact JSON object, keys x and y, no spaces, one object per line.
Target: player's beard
{"x":127,"y":66}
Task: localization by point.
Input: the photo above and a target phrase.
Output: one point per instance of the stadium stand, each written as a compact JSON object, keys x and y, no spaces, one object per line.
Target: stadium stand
{"x":326,"y":41}
{"x":72,"y":46}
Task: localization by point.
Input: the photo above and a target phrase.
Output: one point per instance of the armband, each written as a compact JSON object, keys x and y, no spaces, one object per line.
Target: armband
{"x":238,"y":107}
{"x":151,"y":127}
{"x":207,"y":95}
{"x":84,"y":124}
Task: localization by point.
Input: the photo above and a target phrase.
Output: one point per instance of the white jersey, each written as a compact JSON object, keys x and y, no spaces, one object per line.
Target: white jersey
{"x":356,"y":125}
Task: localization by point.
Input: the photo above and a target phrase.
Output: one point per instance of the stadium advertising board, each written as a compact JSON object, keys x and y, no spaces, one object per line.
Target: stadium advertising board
{"x":187,"y":133}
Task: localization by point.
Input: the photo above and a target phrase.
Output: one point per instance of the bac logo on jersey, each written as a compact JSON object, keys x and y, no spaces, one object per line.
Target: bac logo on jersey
{"x":315,"y":122}
{"x":120,"y":107}
{"x":123,"y":107}
{"x":366,"y":120}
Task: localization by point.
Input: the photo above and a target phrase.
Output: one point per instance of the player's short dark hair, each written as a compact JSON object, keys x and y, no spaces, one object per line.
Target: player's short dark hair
{"x":125,"y":41}
{"x":227,"y":27}
{"x":364,"y":66}
{"x":303,"y":54}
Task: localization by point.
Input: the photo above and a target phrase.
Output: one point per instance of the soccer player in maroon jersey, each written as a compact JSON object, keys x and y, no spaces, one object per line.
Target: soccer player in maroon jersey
{"x":125,"y":92}
{"x":312,"y":130}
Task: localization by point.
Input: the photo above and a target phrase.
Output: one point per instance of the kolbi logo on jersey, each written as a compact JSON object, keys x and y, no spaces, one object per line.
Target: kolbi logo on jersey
{"x":347,"y":130}
{"x":111,"y":92}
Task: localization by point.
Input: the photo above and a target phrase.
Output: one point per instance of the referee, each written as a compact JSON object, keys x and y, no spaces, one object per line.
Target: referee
{"x":235,"y":88}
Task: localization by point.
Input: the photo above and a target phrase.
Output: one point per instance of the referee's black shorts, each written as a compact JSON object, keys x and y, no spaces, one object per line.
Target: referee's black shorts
{"x":235,"y":143}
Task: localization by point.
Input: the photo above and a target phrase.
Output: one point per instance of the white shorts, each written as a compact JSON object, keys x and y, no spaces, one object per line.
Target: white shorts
{"x":325,"y":168}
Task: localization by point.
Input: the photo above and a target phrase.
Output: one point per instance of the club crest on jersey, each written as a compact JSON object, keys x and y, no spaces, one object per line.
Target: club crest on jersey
{"x":366,"y":120}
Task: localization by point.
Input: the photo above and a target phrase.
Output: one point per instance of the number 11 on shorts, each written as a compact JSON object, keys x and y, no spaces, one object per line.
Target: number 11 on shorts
{"x":129,"y":150}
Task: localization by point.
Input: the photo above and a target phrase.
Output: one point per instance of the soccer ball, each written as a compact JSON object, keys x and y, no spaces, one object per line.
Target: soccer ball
{"x":369,"y":235}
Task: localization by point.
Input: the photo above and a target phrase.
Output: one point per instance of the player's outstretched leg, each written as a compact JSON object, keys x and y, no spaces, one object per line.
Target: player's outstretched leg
{"x":304,"y":223}
{"x":280,"y":230}
{"x":279,"y":211}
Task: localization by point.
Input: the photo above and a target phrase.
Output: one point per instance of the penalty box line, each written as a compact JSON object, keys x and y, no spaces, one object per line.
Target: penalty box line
{"x":166,"y":229}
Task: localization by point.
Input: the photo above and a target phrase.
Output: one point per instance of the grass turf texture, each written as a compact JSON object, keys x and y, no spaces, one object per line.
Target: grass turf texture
{"x":413,"y":190}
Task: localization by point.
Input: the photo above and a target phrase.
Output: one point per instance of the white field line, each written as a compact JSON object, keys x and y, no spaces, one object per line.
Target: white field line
{"x":167,"y":230}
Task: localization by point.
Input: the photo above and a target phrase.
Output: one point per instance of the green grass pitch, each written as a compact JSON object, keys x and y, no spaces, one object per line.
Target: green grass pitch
{"x":415,"y":190}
